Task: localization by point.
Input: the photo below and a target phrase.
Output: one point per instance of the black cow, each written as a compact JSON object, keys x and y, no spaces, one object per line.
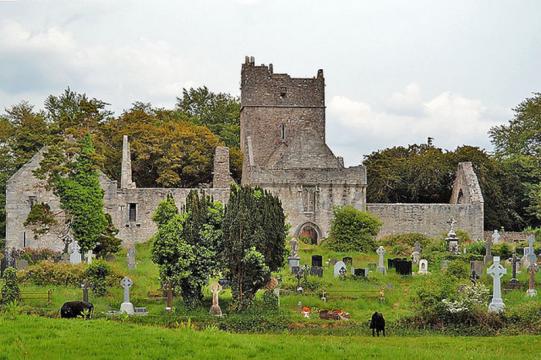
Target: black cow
{"x":73,"y":309}
{"x":377,"y":324}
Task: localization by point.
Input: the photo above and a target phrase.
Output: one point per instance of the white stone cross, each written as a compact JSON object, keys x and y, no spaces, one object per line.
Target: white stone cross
{"x":381,"y":252}
{"x":127,"y":306}
{"x":89,"y":257}
{"x":496,"y":270}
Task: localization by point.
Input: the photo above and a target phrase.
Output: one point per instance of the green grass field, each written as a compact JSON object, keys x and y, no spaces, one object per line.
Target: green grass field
{"x":29,"y":337}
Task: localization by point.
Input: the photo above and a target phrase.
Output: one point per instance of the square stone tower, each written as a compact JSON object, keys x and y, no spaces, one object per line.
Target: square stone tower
{"x":283,"y":142}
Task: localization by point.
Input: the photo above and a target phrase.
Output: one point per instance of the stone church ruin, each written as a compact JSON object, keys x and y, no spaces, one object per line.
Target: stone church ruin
{"x":284,"y":150}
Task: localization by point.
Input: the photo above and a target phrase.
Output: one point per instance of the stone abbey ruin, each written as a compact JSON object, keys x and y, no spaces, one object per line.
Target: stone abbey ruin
{"x":284,"y":150}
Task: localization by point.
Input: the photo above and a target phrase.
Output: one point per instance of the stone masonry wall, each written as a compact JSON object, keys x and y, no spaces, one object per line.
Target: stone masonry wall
{"x":428,"y":219}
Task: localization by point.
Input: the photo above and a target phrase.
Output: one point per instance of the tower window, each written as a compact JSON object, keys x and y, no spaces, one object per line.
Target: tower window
{"x":132,"y":212}
{"x":283,"y":92}
{"x":283,"y":132}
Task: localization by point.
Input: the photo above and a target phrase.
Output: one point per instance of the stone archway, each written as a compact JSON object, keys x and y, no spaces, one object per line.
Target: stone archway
{"x":311,"y":231}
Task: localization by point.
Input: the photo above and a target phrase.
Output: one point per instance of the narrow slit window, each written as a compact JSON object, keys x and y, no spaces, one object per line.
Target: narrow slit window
{"x":132,"y":212}
{"x":283,"y":92}
{"x":282,"y":132}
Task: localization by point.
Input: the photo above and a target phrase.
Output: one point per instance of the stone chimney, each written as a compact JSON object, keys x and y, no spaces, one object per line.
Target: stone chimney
{"x":125,"y":176}
{"x":221,"y":177}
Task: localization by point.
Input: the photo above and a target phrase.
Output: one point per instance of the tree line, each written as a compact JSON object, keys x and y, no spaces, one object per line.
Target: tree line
{"x":175,"y":147}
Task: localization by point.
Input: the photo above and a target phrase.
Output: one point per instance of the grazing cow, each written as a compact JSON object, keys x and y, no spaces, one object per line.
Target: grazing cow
{"x":73,"y":309}
{"x":377,"y":324}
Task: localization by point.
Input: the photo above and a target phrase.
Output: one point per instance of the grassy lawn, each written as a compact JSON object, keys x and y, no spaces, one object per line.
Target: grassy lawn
{"x":29,"y":337}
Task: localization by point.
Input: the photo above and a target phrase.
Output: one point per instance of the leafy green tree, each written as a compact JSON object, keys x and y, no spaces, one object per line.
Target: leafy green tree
{"x":353,"y":230}
{"x":254,"y":241}
{"x":72,"y":171}
{"x":187,"y":246}
{"x":220,"y":112}
{"x":108,"y":243}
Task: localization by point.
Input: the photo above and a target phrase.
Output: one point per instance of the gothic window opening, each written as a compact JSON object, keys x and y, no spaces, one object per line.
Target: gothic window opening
{"x":460,"y":197}
{"x":309,"y":199}
{"x":132,"y":212}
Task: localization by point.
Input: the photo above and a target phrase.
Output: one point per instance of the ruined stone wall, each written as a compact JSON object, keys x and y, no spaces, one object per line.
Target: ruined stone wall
{"x":221,"y":175}
{"x":429,"y":219}
{"x":146,"y":201}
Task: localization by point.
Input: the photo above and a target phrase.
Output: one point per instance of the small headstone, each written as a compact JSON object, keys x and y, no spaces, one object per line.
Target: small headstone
{"x":348,"y":261}
{"x":403,"y":267}
{"x":423,"y":267}
{"x":339,"y":269}
{"x":126,"y":306}
{"x":360,"y":273}
{"x":381,"y":253}
{"x":477,"y":266}
{"x":140,"y":311}
{"x":131,"y":257}
{"x":316,"y":271}
{"x":89,"y":257}
{"x":496,"y":270}
{"x":75,"y":252}
{"x":317,"y":260}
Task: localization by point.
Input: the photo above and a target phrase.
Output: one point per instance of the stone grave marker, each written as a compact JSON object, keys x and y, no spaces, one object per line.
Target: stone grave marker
{"x":333,"y":262}
{"x":317,"y":260}
{"x":514,"y":283}
{"x":339,"y":269}
{"x":381,"y":253}
{"x":423,"y":267}
{"x":532,"y":268}
{"x":89,"y":257}
{"x":126,"y":306}
{"x":316,"y":271}
{"x":85,"y":288}
{"x":477,"y":266}
{"x":496,"y":270}
{"x":488,"y":250}
{"x":75,"y":252}
{"x":215,"y":309}
{"x":403,"y":267}
{"x":452,"y":239}
{"x":360,"y":273}
{"x":348,"y":261}
{"x":131,"y":257}
{"x":416,"y":255}
{"x":495,"y":237}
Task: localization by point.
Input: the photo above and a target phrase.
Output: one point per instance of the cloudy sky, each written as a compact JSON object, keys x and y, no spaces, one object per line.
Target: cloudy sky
{"x":396,"y":71}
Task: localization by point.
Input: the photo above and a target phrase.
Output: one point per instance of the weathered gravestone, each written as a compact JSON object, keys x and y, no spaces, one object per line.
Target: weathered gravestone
{"x":89,"y":257}
{"x":495,"y":237}
{"x":496,"y":270}
{"x":131,"y":257}
{"x":339,"y":269}
{"x":514,"y":283}
{"x":85,"y":288}
{"x":360,"y":273}
{"x":488,"y":251}
{"x":215,"y":309}
{"x":75,"y":252}
{"x":294,"y":260}
{"x":317,"y":260}
{"x":477,"y":266}
{"x":403,"y":267}
{"x":423,"y":267}
{"x":452,"y":239}
{"x":381,"y":253}
{"x":532,"y":269}
{"x":348,"y":261}
{"x":416,"y":255}
{"x":126,"y":306}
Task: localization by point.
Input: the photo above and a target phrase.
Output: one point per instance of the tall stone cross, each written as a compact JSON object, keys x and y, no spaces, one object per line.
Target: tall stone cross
{"x":215,"y":309}
{"x":127,"y":306}
{"x":451,"y":223}
{"x":496,"y":270}
{"x":532,"y":268}
{"x":381,"y":252}
{"x":514,"y":262}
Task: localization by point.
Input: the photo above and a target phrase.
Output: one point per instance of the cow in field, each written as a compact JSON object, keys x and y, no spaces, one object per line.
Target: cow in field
{"x":377,"y":324}
{"x":73,"y":309}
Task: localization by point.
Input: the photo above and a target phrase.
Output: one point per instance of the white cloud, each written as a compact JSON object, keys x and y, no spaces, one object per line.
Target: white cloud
{"x":356,"y":128}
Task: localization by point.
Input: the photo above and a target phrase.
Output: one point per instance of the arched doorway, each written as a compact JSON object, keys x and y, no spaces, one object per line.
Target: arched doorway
{"x":310,"y":231}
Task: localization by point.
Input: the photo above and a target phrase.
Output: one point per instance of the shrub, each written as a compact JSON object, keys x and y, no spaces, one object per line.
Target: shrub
{"x":10,"y":290}
{"x":476,"y":247}
{"x":96,"y":274}
{"x":502,"y":250}
{"x":33,"y":256}
{"x":353,"y":230}
{"x":403,"y":244}
{"x":50,"y":273}
{"x":459,"y":269}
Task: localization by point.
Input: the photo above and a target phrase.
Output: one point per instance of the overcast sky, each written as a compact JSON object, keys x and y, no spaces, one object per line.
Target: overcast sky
{"x":396,"y":71}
